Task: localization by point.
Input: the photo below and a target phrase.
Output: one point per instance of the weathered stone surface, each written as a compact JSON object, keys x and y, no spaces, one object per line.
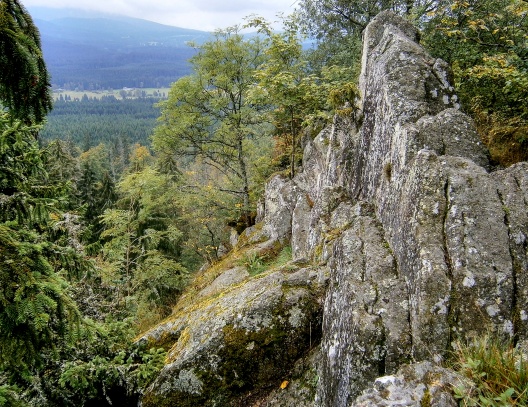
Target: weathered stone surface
{"x":299,"y":388}
{"x":421,"y":244}
{"x":418,"y":385}
{"x":418,"y":162}
{"x":242,"y":338}
{"x":404,"y":94}
{"x":300,"y":227}
{"x":451,"y":132}
{"x":281,"y":198}
{"x":327,"y":163}
{"x":225,"y":280}
{"x":477,"y":252}
{"x":366,"y":310}
{"x":438,"y":222}
{"x":512,"y":189}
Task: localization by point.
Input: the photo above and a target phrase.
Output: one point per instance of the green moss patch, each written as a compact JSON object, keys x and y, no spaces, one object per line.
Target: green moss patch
{"x":247,"y":362}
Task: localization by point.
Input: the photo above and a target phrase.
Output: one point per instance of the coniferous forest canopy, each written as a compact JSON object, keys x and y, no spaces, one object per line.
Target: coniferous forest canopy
{"x":88,"y":122}
{"x":108,"y":206}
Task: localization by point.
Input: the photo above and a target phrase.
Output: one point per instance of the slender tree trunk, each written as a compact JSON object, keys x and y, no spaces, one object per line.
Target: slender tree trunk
{"x":245,"y":183}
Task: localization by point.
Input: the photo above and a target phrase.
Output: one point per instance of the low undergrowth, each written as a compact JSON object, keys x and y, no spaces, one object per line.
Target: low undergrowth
{"x":496,"y":373}
{"x":257,"y":263}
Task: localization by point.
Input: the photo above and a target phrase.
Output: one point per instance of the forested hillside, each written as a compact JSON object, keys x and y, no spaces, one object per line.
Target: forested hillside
{"x":104,"y":222}
{"x":100,"y":51}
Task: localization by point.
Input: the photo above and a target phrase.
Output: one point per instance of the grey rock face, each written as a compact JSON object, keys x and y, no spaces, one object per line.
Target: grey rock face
{"x":280,"y":201}
{"x":224,"y":281}
{"x":299,"y":390}
{"x":512,"y":190}
{"x":366,"y":310}
{"x":250,"y":334}
{"x":406,"y":100}
{"x":458,"y":265}
{"x":421,"y":384}
{"x":420,"y":243}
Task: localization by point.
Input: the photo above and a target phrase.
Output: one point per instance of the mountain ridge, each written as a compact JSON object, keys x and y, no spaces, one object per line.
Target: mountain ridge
{"x":89,"y":50}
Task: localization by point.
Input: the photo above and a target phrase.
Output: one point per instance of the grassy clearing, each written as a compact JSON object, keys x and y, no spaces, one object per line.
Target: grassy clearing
{"x":130,"y":93}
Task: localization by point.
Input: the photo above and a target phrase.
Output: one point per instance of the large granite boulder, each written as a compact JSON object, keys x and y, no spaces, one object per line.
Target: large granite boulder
{"x":234,"y":336}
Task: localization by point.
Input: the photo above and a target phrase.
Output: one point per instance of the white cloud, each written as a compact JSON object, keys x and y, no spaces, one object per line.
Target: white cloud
{"x":198,"y":14}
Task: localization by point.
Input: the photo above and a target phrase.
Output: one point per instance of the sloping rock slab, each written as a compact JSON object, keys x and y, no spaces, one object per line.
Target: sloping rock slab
{"x":237,"y":341}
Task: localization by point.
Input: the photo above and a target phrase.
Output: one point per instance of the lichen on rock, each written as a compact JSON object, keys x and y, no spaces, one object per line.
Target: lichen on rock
{"x":402,"y":242}
{"x":238,"y":335}
{"x":418,"y":385}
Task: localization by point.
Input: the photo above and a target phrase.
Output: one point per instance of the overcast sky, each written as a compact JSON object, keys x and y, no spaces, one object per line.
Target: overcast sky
{"x":203,"y":15}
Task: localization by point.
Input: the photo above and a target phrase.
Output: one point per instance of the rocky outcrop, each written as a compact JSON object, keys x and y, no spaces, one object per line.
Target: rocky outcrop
{"x":418,"y":385}
{"x":234,"y":336}
{"x":439,"y":256}
{"x":396,"y":211}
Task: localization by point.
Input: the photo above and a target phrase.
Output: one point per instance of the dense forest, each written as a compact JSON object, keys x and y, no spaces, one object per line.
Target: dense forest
{"x":88,"y":122}
{"x":103,"y":222}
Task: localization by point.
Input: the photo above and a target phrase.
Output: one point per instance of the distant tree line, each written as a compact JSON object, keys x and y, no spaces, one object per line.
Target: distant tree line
{"x":145,"y":67}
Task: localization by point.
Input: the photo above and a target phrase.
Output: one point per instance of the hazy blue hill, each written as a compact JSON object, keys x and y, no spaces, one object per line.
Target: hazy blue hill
{"x":92,"y":50}
{"x":118,"y":32}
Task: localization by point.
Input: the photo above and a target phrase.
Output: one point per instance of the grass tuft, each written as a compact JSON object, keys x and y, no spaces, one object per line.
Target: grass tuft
{"x":257,"y":263}
{"x":496,"y":372}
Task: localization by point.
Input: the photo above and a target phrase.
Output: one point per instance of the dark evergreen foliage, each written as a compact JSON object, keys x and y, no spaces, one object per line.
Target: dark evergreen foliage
{"x":24,"y":80}
{"x":24,"y":192}
{"x":35,"y":308}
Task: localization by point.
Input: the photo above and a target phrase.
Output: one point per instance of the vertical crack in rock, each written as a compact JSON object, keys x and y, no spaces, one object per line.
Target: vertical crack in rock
{"x":515,"y":290}
{"x":363,"y":311}
{"x":363,"y":265}
{"x":451,"y":313}
{"x":410,"y":322}
{"x":382,"y":360}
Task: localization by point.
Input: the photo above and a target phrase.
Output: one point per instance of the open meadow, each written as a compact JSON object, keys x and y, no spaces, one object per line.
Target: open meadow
{"x":128,"y":93}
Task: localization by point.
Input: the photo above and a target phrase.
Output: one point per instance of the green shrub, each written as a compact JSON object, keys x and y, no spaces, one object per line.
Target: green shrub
{"x":9,"y":396}
{"x":254,"y":263}
{"x":284,"y":256}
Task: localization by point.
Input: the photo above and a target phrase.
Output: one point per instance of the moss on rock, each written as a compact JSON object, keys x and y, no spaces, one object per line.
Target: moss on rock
{"x":240,"y":343}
